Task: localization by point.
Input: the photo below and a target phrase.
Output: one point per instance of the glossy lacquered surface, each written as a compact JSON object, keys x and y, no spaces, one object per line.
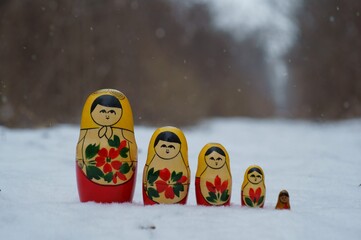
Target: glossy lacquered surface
{"x":106,"y":153}
{"x":166,"y":174}
{"x":213,"y":181}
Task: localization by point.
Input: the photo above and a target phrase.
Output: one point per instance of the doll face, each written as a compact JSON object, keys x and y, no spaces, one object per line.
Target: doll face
{"x":284,"y":197}
{"x":106,"y":116}
{"x":254,"y":177}
{"x":167,"y":150}
{"x":215,"y":160}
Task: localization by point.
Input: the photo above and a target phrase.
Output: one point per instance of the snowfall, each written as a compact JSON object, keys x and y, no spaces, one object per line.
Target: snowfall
{"x":318,"y":163}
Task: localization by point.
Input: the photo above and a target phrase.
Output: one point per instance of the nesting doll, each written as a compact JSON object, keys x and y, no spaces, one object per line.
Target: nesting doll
{"x":166,"y":173}
{"x":213,"y":177}
{"x":283,"y":200}
{"x":106,"y":153}
{"x":253,"y":188}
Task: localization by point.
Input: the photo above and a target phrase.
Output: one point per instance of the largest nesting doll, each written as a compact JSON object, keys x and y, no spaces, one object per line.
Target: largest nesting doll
{"x":213,"y":178}
{"x":106,"y":153}
{"x":166,"y":173}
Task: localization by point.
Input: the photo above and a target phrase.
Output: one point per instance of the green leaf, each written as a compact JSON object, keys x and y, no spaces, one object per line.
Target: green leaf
{"x":124,"y":168}
{"x":212,"y":195}
{"x":249,"y":202}
{"x":109,"y":177}
{"x":225,"y":195}
{"x":115,"y":142}
{"x":91,"y":150}
{"x":152,"y":193}
{"x":124,"y":152}
{"x":260,"y":200}
{"x":177,"y":188}
{"x":94,"y":172}
{"x":176,"y":176}
{"x":150,"y":173}
{"x":210,"y":199}
{"x":152,"y":176}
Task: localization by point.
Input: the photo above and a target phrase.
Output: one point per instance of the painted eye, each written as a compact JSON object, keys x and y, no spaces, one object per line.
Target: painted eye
{"x":212,"y":158}
{"x":113,"y":112}
{"x":163,"y":146}
{"x":171,"y":146}
{"x":259,"y":176}
{"x":253,"y":175}
{"x":102,"y":111}
{"x":219,"y":159}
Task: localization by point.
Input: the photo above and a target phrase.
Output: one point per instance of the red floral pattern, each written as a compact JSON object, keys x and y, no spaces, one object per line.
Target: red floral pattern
{"x":171,"y":184}
{"x":106,"y":163}
{"x":119,"y":175}
{"x":166,"y":183}
{"x":218,"y":186}
{"x":218,"y":191}
{"x":105,"y":159}
{"x":254,"y":198}
{"x":255,"y":195}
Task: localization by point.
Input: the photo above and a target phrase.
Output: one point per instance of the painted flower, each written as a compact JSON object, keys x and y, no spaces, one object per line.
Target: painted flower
{"x":122,"y":145}
{"x":218,"y":191}
{"x":119,"y":175}
{"x":105,"y":163}
{"x":170,"y":184}
{"x":218,"y":186}
{"x":255,"y":195}
{"x":105,"y":159}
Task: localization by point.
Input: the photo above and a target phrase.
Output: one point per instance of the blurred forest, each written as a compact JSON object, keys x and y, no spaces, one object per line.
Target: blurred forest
{"x":172,"y":63}
{"x":325,"y":63}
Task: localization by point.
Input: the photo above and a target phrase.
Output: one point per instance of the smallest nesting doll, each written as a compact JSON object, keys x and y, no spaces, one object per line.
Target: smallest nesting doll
{"x":253,"y":191}
{"x":283,"y":200}
{"x":166,"y":173}
{"x":213,"y":178}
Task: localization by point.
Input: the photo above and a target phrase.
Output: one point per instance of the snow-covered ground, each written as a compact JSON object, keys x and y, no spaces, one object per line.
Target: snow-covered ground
{"x":319,"y":165}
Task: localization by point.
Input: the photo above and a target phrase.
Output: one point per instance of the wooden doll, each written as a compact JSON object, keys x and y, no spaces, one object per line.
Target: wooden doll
{"x":166,"y":173}
{"x":283,"y":200}
{"x":106,"y":153}
{"x":213,"y":178}
{"x":253,"y":188}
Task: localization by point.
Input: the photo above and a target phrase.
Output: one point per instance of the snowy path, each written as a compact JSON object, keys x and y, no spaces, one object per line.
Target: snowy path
{"x":319,"y":165}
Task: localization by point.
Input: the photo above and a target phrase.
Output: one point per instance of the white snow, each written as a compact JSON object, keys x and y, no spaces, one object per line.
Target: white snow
{"x":319,"y":165}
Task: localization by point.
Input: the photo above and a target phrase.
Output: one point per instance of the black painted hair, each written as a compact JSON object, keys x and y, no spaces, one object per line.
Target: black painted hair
{"x":255,"y":169}
{"x":216,"y":149}
{"x":106,"y":101}
{"x":284,"y":193}
{"x":168,"y":137}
